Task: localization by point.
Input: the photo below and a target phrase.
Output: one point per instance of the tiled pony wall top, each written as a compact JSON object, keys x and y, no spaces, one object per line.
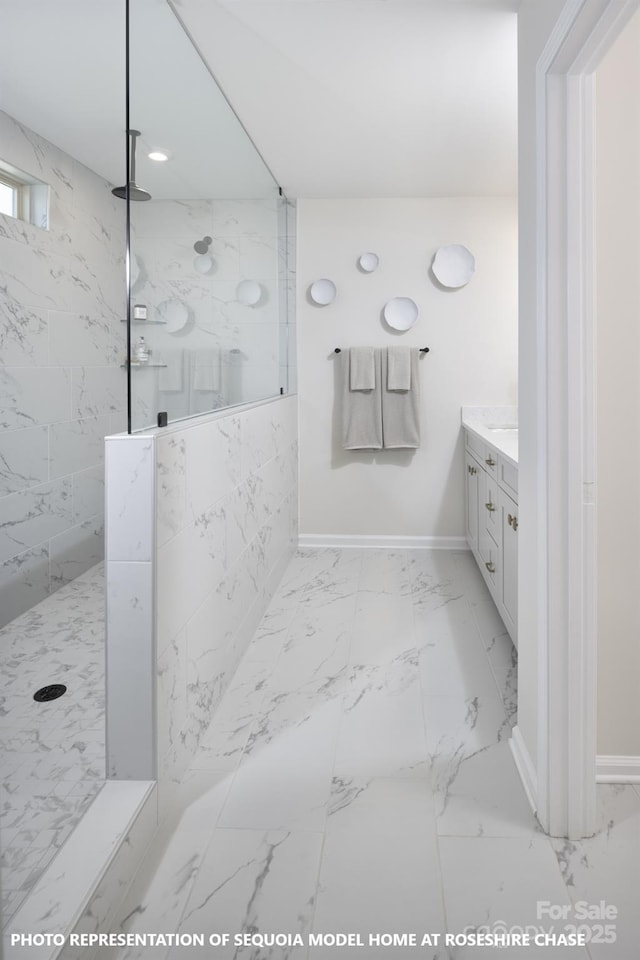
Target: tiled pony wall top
{"x":218,"y":350}
{"x":62,"y":340}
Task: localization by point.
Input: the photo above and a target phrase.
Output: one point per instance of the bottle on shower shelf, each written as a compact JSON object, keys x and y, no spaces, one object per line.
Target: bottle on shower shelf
{"x":141,"y":351}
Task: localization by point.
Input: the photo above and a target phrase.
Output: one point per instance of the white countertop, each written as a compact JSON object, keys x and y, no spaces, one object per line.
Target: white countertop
{"x":503,"y":437}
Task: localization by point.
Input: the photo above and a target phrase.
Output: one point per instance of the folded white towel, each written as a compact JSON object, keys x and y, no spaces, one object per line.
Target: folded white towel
{"x":401,"y":408}
{"x":171,"y":377}
{"x":361,"y":409}
{"x":362,"y":371}
{"x":206,"y":370}
{"x":398,"y":368}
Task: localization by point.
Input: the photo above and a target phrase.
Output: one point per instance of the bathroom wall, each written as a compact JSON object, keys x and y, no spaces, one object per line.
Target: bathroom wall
{"x":247,"y":339}
{"x":618,"y":396}
{"x":61,"y":387}
{"x":201,"y":521}
{"x":471,"y":332}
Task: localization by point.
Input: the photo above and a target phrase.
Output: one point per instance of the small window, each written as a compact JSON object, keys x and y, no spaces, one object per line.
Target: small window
{"x":23,"y":197}
{"x":8,"y":198}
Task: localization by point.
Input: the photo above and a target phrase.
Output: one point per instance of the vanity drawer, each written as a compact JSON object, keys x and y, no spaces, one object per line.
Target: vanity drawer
{"x":508,"y":476}
{"x":483,"y":452}
{"x":490,"y":561}
{"x":475,"y":445}
{"x":489,"y":512}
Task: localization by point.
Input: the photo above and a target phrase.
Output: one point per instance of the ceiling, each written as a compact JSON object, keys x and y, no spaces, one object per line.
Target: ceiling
{"x":343,"y":98}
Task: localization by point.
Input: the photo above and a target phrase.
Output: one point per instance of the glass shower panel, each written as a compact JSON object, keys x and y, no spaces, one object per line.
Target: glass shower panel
{"x":208,"y":237}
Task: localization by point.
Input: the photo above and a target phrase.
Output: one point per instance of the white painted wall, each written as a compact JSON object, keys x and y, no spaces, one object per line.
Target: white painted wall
{"x":618,"y":393}
{"x":536,"y":21}
{"x":472,"y":333}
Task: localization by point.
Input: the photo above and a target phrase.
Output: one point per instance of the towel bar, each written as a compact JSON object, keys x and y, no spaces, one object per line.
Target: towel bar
{"x":422,"y":350}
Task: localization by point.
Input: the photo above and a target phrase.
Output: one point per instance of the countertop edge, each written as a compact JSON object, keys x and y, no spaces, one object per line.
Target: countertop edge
{"x":487,"y":436}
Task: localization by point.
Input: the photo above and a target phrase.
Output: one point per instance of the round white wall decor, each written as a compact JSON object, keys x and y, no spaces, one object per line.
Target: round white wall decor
{"x":248,"y":292}
{"x":175,"y":314}
{"x":368,"y":262}
{"x":203,"y":263}
{"x":322,"y":291}
{"x":453,"y":265}
{"x":401,"y":313}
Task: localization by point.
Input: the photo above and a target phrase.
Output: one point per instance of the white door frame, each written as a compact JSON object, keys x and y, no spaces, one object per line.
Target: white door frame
{"x":566,"y":436}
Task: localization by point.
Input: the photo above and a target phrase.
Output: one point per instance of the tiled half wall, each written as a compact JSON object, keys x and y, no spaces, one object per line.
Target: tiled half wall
{"x":201,"y":522}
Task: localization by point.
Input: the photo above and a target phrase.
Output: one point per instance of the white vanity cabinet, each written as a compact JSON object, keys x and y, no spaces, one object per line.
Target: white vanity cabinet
{"x":491,"y":492}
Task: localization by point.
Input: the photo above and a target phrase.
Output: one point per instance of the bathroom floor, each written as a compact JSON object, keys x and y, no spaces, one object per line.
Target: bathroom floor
{"x":52,"y":753}
{"x":358,"y":778}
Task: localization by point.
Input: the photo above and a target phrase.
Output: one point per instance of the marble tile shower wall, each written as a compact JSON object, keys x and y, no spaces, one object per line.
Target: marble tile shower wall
{"x":225,"y":528}
{"x":247,"y":244}
{"x":61,"y":386}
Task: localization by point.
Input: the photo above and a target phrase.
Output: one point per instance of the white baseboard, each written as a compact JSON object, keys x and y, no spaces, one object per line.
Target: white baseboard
{"x":525,"y":767}
{"x":617,"y":769}
{"x":394,"y":543}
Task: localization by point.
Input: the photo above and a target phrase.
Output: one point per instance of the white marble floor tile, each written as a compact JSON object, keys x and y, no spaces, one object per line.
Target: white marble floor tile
{"x":488,"y":620}
{"x":357,"y":776}
{"x":52,"y":754}
{"x":503,"y":658}
{"x":313,"y":651}
{"x":467,"y":576}
{"x":429,"y":580}
{"x":453,"y":661}
{"x":485,"y":798}
{"x":380,"y":868}
{"x":311,"y":570}
{"x":159,"y":893}
{"x":606,"y":868}
{"x":255,"y":882}
{"x":284,"y":780}
{"x":383,"y":627}
{"x":457,"y":730}
{"x":382,"y":730}
{"x":495,"y":884}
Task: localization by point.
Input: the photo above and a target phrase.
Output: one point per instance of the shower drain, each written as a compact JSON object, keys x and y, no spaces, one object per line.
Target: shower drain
{"x":50,"y":692}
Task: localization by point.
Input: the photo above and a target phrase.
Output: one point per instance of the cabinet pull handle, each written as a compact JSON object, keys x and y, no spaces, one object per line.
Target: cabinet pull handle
{"x":509,"y":519}
{"x":490,"y":461}
{"x":512,"y":521}
{"x":515,"y":523}
{"x":490,"y":567}
{"x":490,"y":506}
{"x":472,"y":471}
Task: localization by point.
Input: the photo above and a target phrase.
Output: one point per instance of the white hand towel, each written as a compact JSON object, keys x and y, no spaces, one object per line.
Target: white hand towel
{"x":206,"y":370}
{"x":361,"y":409}
{"x":398,"y":368}
{"x":362,"y":370}
{"x":401,"y":408}
{"x":171,"y":377}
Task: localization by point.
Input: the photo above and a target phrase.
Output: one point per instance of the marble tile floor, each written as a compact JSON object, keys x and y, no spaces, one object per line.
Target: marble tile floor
{"x":357,"y":777}
{"x":52,"y":754}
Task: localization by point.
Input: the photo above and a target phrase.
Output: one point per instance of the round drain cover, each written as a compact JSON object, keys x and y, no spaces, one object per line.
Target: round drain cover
{"x":51,"y":692}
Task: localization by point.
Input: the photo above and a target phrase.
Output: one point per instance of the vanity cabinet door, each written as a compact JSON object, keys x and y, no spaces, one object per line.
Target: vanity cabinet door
{"x":472,"y":474}
{"x":509,"y":579}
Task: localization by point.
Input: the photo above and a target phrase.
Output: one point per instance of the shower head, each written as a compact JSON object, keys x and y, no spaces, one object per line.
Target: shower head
{"x":134,"y":191}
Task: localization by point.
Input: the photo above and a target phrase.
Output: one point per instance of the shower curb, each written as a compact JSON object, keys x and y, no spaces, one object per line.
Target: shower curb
{"x":89,"y":876}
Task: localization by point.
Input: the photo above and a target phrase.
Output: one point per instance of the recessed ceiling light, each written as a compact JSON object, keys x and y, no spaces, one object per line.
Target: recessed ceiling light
{"x":157,"y":155}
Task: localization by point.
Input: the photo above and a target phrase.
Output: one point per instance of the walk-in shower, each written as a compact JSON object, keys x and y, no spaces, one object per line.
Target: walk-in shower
{"x":210,"y":280}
